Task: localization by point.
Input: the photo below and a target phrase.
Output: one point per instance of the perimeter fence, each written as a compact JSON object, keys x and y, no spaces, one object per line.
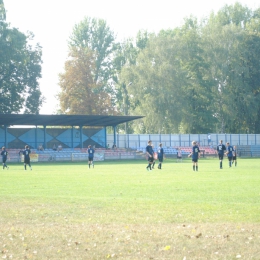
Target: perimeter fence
{"x":136,"y":141}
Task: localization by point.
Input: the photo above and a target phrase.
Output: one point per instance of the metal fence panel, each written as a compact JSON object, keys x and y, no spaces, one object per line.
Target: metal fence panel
{"x":176,"y":140}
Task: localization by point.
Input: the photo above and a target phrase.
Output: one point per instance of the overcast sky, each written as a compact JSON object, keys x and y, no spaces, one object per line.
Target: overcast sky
{"x":52,"y":21}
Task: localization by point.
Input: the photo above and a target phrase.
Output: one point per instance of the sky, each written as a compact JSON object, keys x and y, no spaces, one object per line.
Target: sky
{"x":52,"y":22}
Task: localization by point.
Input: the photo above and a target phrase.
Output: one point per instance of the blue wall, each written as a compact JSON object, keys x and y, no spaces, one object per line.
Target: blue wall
{"x":67,"y":137}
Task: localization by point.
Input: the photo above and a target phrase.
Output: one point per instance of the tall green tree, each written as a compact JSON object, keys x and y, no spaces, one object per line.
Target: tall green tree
{"x":233,"y":68}
{"x":125,"y":55}
{"x":156,"y":78}
{"x":197,"y":114}
{"x":20,"y":70}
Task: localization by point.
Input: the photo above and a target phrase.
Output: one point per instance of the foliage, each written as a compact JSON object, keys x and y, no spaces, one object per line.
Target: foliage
{"x":202,"y":77}
{"x":152,"y":92}
{"x":125,"y":55}
{"x":236,"y":85}
{"x":79,"y":95}
{"x":96,"y":35}
{"x":86,"y":83}
{"x":20,"y":70}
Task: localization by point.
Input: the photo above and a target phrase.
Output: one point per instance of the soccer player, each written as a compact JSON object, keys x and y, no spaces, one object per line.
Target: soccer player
{"x":150,"y":154}
{"x":234,"y":159}
{"x":26,"y":154}
{"x":220,"y":150}
{"x":229,"y":153}
{"x":4,"y":154}
{"x":91,"y":152}
{"x":160,"y":153}
{"x":195,"y":155}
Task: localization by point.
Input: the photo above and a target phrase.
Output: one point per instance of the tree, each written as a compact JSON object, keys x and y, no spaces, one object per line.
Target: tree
{"x":86,"y":84}
{"x":169,"y":86}
{"x":233,"y":14}
{"x":156,"y":82}
{"x":197,"y":113}
{"x":231,"y":51}
{"x":20,"y":70}
{"x":96,"y":35}
{"x":78,"y":87}
{"x":125,"y":55}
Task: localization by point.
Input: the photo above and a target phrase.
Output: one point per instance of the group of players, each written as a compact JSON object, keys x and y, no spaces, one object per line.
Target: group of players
{"x":229,"y":150}
{"x":26,"y":153}
{"x":27,"y":161}
{"x":231,"y":153}
{"x":150,"y":156}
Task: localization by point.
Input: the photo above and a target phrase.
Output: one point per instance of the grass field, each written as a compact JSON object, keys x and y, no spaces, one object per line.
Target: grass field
{"x":118,"y":210}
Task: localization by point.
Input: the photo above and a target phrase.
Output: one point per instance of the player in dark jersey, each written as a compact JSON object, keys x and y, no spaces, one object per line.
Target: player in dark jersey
{"x":195,"y":155}
{"x":26,"y":154}
{"x":220,"y":150}
{"x":150,"y":155}
{"x":160,"y":153}
{"x":229,"y":153}
{"x":91,"y":152}
{"x":4,"y":154}
{"x":234,"y":159}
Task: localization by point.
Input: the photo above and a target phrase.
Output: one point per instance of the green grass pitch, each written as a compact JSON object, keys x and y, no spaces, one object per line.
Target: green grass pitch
{"x":119,"y":210}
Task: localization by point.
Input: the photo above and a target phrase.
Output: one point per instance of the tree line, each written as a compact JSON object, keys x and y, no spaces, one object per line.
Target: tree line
{"x":201,"y":77}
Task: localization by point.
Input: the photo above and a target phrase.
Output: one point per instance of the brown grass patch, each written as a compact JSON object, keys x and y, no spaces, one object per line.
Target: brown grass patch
{"x":68,"y":240}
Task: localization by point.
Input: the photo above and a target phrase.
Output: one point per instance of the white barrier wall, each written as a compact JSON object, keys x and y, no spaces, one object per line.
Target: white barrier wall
{"x":175,"y":140}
